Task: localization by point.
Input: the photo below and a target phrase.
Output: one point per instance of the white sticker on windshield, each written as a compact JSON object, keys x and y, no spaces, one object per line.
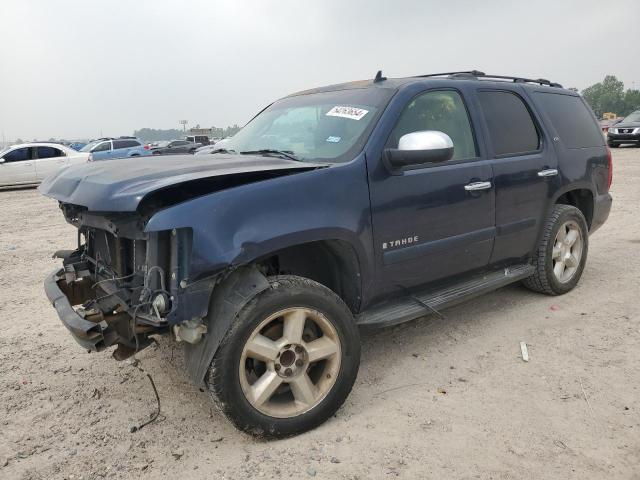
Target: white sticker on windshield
{"x":333,"y":139}
{"x":347,"y":112}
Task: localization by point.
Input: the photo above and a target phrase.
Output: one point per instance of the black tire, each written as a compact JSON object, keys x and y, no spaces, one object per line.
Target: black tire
{"x":223,"y":377}
{"x":613,"y":145}
{"x":544,"y":280}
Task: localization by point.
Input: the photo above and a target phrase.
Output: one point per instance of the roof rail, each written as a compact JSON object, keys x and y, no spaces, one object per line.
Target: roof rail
{"x":474,"y":74}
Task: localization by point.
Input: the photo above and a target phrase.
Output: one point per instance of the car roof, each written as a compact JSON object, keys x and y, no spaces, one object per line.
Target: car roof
{"x":37,"y":144}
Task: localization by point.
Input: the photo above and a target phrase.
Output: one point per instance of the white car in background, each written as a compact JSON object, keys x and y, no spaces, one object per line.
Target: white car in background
{"x":207,"y":149}
{"x":30,"y":163}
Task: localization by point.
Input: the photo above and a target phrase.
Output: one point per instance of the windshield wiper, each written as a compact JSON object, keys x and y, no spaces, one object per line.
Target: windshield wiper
{"x":222,"y":150}
{"x":269,"y":151}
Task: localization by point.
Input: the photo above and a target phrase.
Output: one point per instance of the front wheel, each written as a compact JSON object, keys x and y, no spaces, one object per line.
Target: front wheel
{"x":562,"y":253}
{"x":289,"y":360}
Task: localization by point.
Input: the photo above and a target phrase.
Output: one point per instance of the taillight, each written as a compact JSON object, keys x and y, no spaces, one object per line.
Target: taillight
{"x":147,"y":147}
{"x":610,"y":175}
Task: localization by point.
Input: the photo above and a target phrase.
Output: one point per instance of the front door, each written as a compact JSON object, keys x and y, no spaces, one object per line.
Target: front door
{"x":525,"y":169}
{"x":436,"y":221}
{"x":102,"y":150}
{"x":17,"y":167}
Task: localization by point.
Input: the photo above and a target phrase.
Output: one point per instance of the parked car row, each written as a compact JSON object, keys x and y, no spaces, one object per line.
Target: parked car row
{"x":30,"y":163}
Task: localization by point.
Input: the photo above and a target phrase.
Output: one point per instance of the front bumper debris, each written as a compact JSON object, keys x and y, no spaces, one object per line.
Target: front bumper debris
{"x":91,"y":334}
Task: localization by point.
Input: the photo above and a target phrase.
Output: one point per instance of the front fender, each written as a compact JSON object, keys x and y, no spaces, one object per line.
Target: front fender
{"x":238,"y":225}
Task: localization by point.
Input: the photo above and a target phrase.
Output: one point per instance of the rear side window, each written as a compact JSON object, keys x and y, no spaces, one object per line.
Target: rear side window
{"x":48,"y":152}
{"x":571,"y":119}
{"x":511,"y":127}
{"x":125,"y":144}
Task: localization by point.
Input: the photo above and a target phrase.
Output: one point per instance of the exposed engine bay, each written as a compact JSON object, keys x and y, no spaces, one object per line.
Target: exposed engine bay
{"x":128,"y":284}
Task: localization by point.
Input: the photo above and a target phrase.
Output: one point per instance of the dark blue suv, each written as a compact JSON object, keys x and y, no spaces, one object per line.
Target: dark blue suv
{"x":362,"y":205}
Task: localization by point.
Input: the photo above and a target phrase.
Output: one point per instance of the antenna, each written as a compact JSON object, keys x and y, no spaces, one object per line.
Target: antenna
{"x":379,"y":77}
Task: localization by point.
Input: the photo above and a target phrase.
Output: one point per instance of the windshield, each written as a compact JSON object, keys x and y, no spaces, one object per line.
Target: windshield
{"x":329,"y":126}
{"x":634,"y":117}
{"x":89,"y":146}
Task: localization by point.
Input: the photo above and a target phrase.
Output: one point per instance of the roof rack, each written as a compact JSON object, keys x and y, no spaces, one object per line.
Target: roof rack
{"x":474,"y":74}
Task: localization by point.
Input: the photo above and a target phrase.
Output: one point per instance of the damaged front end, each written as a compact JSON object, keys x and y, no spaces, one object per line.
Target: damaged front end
{"x":123,"y":284}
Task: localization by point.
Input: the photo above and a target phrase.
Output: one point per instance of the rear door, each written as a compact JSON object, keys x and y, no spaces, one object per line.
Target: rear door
{"x":17,"y":167}
{"x":525,"y":169}
{"x":48,"y":160}
{"x":120,"y":149}
{"x":430,"y":223}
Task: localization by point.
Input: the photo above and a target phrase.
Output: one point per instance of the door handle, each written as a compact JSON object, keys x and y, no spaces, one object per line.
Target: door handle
{"x":549,"y":172}
{"x":27,"y":164}
{"x":472,"y":187}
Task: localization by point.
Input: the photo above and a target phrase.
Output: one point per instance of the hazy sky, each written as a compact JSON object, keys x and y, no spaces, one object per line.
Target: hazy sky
{"x":81,"y":68}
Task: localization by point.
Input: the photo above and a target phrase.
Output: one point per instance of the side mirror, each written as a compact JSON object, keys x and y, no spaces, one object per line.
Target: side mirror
{"x":418,"y":148}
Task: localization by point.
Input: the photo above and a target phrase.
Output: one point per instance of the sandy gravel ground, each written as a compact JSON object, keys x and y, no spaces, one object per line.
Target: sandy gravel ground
{"x":442,"y":399}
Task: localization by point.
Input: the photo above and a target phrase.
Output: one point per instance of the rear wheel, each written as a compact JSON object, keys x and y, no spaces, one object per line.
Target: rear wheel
{"x":562,"y":252}
{"x":288,"y":362}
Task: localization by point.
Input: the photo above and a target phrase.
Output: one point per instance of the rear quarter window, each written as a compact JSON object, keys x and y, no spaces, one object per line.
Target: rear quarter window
{"x":125,"y":144}
{"x":572,"y":120}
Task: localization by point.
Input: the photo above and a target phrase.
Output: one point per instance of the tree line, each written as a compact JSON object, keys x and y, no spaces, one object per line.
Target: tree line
{"x":157,"y":134}
{"x":610,"y":96}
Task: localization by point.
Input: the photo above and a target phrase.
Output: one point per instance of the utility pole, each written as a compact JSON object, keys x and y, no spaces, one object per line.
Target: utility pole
{"x":184,"y":124}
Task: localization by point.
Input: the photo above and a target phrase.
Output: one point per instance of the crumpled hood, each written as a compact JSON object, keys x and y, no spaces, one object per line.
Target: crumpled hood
{"x":120,"y":185}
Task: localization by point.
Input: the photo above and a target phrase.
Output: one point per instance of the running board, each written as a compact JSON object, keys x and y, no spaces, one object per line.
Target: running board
{"x":419,"y":304}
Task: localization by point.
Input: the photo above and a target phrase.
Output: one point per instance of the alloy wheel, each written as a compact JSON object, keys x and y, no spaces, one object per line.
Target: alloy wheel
{"x":290,"y":362}
{"x":567,"y":251}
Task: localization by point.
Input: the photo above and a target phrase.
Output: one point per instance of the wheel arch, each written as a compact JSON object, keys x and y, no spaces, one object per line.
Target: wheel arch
{"x":333,"y":263}
{"x":581,"y":197}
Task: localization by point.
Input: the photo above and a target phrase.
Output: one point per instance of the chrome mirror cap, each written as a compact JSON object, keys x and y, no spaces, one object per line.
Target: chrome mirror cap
{"x":425,"y":140}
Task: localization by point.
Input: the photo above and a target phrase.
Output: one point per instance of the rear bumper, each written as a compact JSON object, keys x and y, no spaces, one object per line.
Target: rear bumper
{"x":601,"y":210}
{"x":93,"y":336}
